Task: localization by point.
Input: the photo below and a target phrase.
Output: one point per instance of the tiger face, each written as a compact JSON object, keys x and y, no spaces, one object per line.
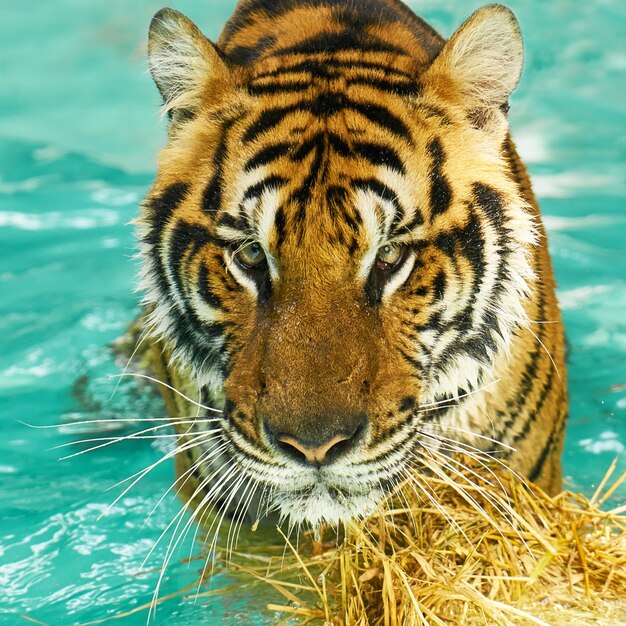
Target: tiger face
{"x":335,"y":247}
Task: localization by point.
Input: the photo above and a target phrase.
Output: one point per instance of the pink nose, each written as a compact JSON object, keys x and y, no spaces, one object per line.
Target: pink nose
{"x":316,"y":442}
{"x":317,"y":455}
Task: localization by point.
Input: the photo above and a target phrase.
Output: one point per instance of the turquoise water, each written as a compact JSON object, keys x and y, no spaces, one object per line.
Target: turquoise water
{"x":78,"y":135}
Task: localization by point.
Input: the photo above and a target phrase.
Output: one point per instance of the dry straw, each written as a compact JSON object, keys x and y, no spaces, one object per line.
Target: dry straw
{"x":479,"y":548}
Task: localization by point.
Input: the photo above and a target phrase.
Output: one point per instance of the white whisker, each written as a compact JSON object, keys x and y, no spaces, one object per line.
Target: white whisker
{"x":139,"y":475}
{"x":455,"y":399}
{"x":219,"y":518}
{"x":164,"y":384}
{"x":212,"y":451}
{"x":145,"y":332}
{"x":543,"y":345}
{"x":177,"y":537}
{"x":414,"y":483}
{"x":112,"y":440}
{"x":488,"y":494}
{"x":116,"y":420}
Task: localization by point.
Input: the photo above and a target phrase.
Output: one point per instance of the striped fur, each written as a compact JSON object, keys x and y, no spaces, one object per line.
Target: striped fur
{"x":323,"y":131}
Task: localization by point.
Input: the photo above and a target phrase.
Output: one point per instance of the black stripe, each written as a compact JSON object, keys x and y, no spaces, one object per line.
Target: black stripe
{"x":534,"y":473}
{"x":256,"y":190}
{"x":481,"y":347}
{"x":357,"y":16}
{"x":467,"y":239}
{"x":160,"y":210}
{"x":433,"y":323}
{"x":339,"y":145}
{"x":528,"y":378}
{"x":337,"y":204}
{"x":188,"y":331}
{"x":380,"y":189}
{"x":412,"y":361}
{"x":185,"y":241}
{"x":398,"y":88}
{"x":197,"y":337}
{"x":267,"y":155}
{"x":325,"y":70}
{"x":268,"y":120}
{"x":327,"y":104}
{"x":434,"y":111}
{"x":312,"y":143}
{"x":205,"y":291}
{"x":352,"y":219}
{"x":380,"y":155}
{"x":440,"y":190}
{"x":279,"y":225}
{"x":256,"y":89}
{"x":376,"y":154}
{"x":383,"y":117}
{"x":534,"y":413}
{"x":276,"y":8}
{"x":212,"y":196}
{"x":264,"y":287}
{"x":491,"y":203}
{"x":414,"y":222}
{"x":472,"y":242}
{"x":321,"y":69}
{"x":324,"y":105}
{"x":407,"y":404}
{"x":439,"y":285}
{"x":317,"y":171}
{"x":239,"y":223}
{"x":244,"y":55}
{"x":337,"y":196}
{"x":332,"y":42}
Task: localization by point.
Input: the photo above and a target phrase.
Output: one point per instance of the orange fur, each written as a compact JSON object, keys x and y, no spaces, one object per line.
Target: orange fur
{"x":323,"y":133}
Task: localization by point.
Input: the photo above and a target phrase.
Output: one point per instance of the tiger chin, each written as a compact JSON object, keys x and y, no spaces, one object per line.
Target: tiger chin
{"x":342,"y":254}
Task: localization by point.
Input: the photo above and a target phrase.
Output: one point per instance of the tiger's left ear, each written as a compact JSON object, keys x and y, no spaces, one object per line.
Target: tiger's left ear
{"x":480,"y":65}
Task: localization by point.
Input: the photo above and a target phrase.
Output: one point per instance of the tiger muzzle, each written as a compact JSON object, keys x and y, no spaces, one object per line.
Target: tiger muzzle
{"x":316,"y":377}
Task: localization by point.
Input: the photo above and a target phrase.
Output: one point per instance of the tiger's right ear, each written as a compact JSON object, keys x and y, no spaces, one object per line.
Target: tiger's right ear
{"x":183,"y":62}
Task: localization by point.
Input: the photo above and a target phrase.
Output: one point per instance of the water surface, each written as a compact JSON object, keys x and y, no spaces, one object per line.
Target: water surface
{"x":78,"y":134}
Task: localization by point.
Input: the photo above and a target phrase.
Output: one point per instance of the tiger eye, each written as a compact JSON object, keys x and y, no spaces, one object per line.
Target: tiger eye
{"x":251,"y":255}
{"x":388,"y":256}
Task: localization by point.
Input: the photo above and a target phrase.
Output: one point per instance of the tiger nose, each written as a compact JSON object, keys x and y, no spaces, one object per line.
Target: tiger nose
{"x":316,"y":452}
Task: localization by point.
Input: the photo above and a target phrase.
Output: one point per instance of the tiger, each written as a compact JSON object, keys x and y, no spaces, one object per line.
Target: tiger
{"x":343,"y":264}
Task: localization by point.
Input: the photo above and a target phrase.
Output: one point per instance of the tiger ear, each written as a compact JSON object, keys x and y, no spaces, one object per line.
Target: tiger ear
{"x":183,"y":62}
{"x":482,"y":62}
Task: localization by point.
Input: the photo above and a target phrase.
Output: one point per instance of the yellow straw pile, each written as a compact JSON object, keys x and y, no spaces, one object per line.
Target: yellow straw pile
{"x":477,"y":551}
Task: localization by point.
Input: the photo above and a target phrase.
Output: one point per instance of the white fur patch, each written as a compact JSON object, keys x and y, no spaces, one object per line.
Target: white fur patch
{"x":485,"y":55}
{"x":367,"y":204}
{"x":181,"y":59}
{"x":399,"y":277}
{"x":240,"y":275}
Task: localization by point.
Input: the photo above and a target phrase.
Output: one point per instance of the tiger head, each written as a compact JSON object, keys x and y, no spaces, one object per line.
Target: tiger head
{"x":334,"y":245}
